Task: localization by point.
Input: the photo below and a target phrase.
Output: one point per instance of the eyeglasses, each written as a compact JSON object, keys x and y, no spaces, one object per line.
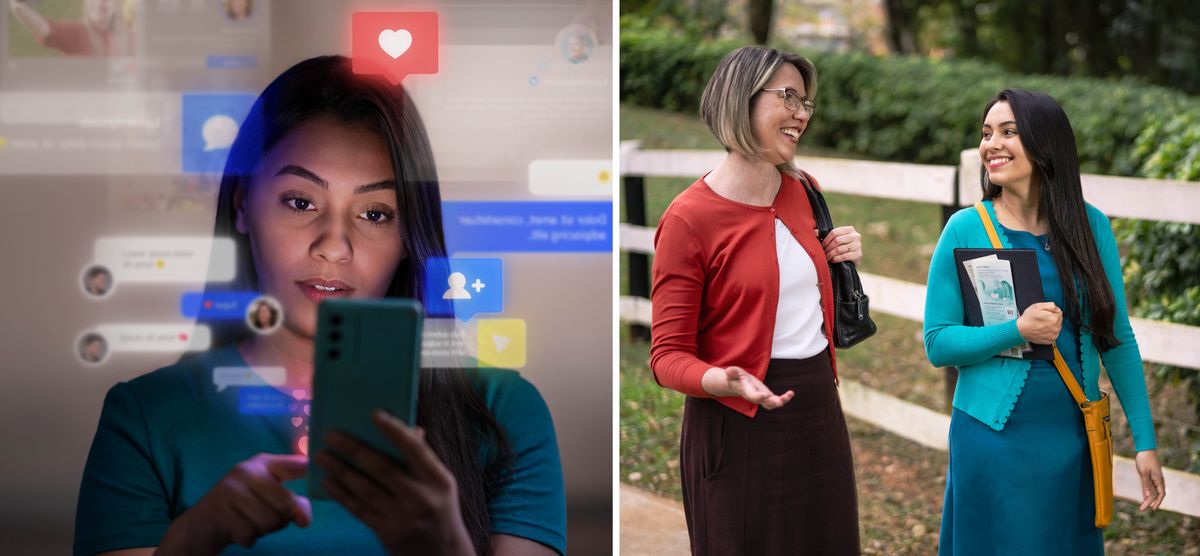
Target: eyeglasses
{"x":793,"y":101}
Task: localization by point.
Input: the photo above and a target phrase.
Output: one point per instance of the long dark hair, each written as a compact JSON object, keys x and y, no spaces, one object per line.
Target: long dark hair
{"x":456,"y":420}
{"x":1049,"y":142}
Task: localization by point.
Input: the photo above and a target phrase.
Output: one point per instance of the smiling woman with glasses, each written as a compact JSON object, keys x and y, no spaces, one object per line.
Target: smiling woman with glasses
{"x":794,"y":101}
{"x":742,"y":321}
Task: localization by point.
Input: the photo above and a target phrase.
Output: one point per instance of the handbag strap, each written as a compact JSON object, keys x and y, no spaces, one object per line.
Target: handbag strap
{"x":1059,"y":363}
{"x":819,"y":209}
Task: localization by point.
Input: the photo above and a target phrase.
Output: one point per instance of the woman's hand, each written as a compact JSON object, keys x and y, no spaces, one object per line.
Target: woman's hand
{"x":248,"y":503}
{"x":413,"y":510}
{"x":735,"y":381}
{"x":1040,"y":323}
{"x":1153,"y":487}
{"x":843,"y":244}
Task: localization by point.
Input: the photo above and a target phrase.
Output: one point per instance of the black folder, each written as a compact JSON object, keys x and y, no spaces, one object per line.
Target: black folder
{"x":1028,"y":287}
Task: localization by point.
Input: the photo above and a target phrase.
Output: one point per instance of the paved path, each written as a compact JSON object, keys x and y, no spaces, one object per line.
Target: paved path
{"x":651,"y":524}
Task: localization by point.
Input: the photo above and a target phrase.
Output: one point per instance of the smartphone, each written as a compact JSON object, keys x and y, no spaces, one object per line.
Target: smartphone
{"x":368,"y":356}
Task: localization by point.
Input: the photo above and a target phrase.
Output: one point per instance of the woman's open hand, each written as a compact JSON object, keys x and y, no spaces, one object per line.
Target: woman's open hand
{"x":247,"y":503}
{"x":412,"y":510}
{"x":735,"y":381}
{"x":1153,"y":487}
{"x":843,"y":244}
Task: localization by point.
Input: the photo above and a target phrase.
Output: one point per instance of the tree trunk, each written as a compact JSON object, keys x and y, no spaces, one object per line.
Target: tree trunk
{"x":899,"y":28}
{"x":968,"y":29}
{"x":760,"y":12}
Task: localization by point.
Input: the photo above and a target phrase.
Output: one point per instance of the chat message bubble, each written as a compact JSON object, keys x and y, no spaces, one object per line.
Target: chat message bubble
{"x":448,"y":343}
{"x":528,"y":227}
{"x":218,"y":132}
{"x":167,"y":259}
{"x":155,"y":338}
{"x":394,"y":44}
{"x":571,"y":178}
{"x":224,"y":377}
{"x":216,"y":305}
{"x":462,"y":287}
{"x":210,"y":123}
{"x":264,"y":400}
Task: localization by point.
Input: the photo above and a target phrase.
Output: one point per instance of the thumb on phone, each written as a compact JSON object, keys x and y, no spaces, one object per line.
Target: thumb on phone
{"x":287,"y":467}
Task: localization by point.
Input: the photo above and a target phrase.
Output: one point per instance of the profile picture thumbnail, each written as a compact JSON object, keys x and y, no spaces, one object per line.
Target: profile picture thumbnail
{"x":576,"y":42}
{"x":93,"y":348}
{"x":97,"y":281}
{"x":237,"y":10}
{"x":264,"y":315}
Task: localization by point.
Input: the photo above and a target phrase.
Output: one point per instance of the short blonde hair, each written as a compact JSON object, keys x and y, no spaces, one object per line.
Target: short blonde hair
{"x":725,"y":104}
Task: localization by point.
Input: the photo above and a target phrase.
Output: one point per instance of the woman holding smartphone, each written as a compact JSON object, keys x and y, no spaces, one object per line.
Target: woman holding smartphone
{"x":1019,"y":479}
{"x":742,"y":321}
{"x":330,"y":191}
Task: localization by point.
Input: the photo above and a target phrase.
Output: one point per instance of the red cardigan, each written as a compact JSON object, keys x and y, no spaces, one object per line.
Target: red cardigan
{"x":716,"y":285}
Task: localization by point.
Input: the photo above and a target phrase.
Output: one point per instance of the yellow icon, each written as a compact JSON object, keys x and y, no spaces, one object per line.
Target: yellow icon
{"x":603,"y":176}
{"x":3,"y":142}
{"x":501,"y":343}
{"x":160,"y":263}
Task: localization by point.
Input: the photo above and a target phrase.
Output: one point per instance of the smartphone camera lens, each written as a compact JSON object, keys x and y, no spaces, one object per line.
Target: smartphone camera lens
{"x":334,"y":354}
{"x":335,"y":320}
{"x":335,"y":336}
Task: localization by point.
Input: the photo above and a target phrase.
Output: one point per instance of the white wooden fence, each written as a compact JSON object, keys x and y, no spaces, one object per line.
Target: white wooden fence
{"x":1159,"y":342}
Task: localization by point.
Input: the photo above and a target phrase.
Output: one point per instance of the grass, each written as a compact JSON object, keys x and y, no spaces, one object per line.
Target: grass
{"x":900,"y":483}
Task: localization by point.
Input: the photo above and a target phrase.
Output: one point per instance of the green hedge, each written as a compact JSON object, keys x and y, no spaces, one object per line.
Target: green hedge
{"x":904,"y":108}
{"x":1162,"y":267}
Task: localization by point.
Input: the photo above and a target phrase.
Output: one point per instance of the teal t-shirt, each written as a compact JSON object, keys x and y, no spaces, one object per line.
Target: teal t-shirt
{"x":167,"y":437}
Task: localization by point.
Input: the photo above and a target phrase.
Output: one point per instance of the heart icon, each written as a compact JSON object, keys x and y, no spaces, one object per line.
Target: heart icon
{"x":296,"y":421}
{"x":183,"y":336}
{"x":208,"y":304}
{"x":395,"y":42}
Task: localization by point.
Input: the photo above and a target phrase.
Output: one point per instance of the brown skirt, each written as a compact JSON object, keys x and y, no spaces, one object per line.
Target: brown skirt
{"x":779,"y":483}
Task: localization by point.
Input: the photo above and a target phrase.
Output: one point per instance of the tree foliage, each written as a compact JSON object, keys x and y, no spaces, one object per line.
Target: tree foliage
{"x":1155,"y":40}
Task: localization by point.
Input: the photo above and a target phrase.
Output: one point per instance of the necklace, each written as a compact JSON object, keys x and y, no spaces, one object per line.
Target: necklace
{"x":1044,"y":240}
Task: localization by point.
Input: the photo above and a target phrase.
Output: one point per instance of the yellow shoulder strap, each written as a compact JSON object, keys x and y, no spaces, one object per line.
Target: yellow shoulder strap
{"x":1059,"y":363}
{"x":987,"y":225}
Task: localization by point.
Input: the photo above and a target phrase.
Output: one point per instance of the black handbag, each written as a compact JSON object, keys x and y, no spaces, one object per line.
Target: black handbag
{"x":851,"y":307}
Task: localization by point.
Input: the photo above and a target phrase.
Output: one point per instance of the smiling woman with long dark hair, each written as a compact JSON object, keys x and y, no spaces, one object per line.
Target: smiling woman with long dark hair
{"x":330,"y":190}
{"x":1019,"y":479}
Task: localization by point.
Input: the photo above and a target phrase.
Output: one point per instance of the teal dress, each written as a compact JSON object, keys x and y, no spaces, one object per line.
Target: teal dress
{"x":1026,"y":489}
{"x":166,"y":438}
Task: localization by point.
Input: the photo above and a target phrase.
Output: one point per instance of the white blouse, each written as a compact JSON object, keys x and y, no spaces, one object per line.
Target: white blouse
{"x":799,"y":332}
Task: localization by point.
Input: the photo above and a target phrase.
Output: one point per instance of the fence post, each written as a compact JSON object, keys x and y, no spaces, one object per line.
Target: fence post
{"x":950,"y":374}
{"x":639,"y":263}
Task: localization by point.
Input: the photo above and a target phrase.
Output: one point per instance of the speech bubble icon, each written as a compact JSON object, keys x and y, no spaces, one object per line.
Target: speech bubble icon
{"x":224,"y":377}
{"x":219,"y":132}
{"x":394,"y":44}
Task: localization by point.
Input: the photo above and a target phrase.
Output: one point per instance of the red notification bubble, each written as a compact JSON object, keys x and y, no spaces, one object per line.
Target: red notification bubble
{"x":394,"y":44}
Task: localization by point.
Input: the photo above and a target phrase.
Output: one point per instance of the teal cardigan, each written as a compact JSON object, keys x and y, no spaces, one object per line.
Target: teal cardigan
{"x":989,"y":385}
